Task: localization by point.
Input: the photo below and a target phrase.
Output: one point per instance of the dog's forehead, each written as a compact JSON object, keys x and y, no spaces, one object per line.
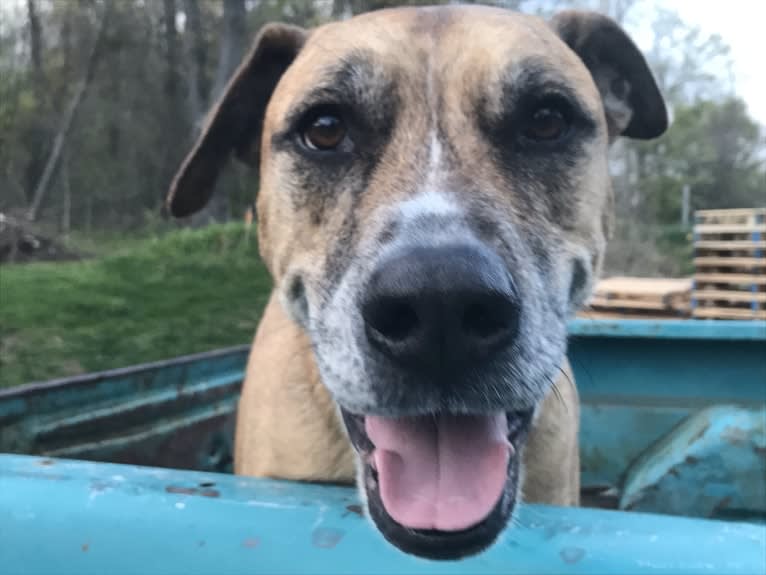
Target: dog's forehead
{"x":455,"y":45}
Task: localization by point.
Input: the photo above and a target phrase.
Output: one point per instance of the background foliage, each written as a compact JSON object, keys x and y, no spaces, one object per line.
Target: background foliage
{"x":162,"y":63}
{"x":135,"y":77}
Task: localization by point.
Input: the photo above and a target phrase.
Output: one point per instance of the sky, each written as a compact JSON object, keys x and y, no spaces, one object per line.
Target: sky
{"x":740,"y":23}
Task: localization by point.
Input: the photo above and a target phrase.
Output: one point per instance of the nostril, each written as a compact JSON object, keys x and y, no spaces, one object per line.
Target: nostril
{"x":488,"y":319}
{"x":393,"y":318}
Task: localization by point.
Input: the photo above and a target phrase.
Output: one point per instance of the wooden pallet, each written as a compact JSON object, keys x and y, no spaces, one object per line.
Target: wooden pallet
{"x":748,"y":280}
{"x":734,"y":282}
{"x":648,"y":298}
{"x":731,"y":292}
{"x":734,"y":299}
{"x":730,"y":296}
{"x":727,"y":313}
{"x":730,"y":264}
{"x":730,"y":246}
{"x":744,"y":216}
{"x":730,"y":231}
{"x":627,"y":314}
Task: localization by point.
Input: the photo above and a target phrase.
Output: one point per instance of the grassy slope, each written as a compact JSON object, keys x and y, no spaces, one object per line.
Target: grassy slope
{"x":187,"y":292}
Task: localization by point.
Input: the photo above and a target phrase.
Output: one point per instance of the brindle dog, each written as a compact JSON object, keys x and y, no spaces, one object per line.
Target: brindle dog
{"x":434,"y":204}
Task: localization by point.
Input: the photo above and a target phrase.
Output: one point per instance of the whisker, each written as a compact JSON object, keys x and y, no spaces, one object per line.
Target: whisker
{"x":557,"y":391}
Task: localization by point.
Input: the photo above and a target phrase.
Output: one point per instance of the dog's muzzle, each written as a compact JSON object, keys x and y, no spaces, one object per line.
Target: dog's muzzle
{"x":440,"y":484}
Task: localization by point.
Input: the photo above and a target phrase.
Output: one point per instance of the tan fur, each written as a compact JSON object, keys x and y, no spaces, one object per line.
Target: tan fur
{"x":552,"y":455}
{"x":287,"y":426}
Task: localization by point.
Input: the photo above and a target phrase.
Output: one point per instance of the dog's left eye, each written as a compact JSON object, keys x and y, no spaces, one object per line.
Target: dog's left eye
{"x":324,"y":132}
{"x":548,"y":122}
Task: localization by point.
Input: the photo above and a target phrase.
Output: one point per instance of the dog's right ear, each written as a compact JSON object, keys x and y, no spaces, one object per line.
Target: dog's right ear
{"x":633,"y":103}
{"x":234,"y":124}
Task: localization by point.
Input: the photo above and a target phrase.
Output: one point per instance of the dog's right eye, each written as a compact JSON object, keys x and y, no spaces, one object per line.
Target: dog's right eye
{"x":325,"y":132}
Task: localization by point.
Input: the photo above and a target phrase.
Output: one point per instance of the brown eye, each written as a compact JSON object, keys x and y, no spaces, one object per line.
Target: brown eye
{"x":325,"y":132}
{"x":547,"y":124}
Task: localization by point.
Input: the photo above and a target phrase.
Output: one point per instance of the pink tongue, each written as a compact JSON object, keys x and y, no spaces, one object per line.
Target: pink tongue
{"x":442,"y":472}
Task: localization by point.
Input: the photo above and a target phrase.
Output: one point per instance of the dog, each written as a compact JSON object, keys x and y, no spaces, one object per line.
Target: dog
{"x":434,"y":203}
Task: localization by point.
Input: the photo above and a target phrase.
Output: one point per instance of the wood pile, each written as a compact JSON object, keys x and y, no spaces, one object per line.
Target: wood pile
{"x":22,"y":241}
{"x":730,"y":264}
{"x":640,"y":298}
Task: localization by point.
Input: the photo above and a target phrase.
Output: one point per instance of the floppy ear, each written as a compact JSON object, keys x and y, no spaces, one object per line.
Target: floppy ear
{"x":632,"y":101}
{"x":234,"y":124}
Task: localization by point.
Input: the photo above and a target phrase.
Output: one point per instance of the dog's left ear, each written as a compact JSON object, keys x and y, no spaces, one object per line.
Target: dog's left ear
{"x":235,"y":123}
{"x":633,"y":103}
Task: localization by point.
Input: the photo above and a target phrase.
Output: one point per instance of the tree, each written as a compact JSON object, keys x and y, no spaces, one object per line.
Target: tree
{"x":66,"y":123}
{"x":232,"y":49}
{"x":233,"y":40}
{"x":197,"y":57}
{"x":713,"y":148}
{"x":687,"y":66}
{"x":37,"y":133}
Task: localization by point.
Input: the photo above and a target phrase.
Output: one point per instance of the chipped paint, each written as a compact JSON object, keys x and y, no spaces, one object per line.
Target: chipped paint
{"x":704,"y":467}
{"x":269,"y":505}
{"x":213,"y":493}
{"x":322,"y":512}
{"x":251,"y":542}
{"x":326,"y":537}
{"x":354,"y":508}
{"x":97,"y":488}
{"x":671,"y":329}
{"x":734,"y":435}
{"x":572,"y":555}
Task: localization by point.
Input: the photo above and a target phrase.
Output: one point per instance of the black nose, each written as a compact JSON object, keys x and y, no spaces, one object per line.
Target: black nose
{"x":441,"y":308}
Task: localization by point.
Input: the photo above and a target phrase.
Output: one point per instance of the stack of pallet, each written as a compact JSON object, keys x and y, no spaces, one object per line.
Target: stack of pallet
{"x":730,"y":264}
{"x":640,"y":298}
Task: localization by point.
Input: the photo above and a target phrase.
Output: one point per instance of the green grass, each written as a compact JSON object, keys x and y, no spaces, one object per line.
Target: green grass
{"x":189,"y":291}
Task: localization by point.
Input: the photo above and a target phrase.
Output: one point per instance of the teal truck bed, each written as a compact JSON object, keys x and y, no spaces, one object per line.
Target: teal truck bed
{"x":673,"y":443}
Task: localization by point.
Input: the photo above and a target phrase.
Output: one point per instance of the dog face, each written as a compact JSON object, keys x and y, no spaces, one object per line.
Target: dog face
{"x":434,"y":203}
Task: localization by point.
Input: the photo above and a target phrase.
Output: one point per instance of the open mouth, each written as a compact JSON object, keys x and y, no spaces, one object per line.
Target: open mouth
{"x":440,"y":486}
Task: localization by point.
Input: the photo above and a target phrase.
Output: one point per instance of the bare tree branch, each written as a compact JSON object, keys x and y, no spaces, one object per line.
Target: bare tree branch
{"x":66,"y":124}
